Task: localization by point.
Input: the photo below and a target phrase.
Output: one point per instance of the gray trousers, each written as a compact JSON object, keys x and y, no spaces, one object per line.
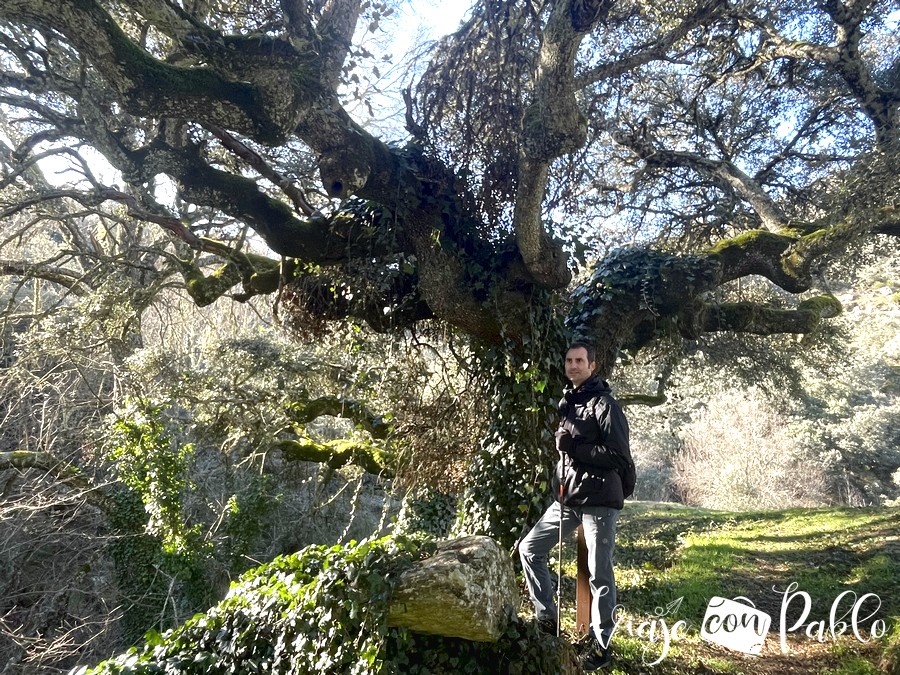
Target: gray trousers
{"x":599,"y":523}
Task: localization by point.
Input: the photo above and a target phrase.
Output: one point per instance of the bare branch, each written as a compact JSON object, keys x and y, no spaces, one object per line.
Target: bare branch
{"x":48,"y":272}
{"x":264,"y":109}
{"x":27,"y":459}
{"x":844,"y":58}
{"x":257,"y":162}
{"x":297,"y":22}
{"x":335,"y":31}
{"x":770,"y":215}
{"x":658,"y":49}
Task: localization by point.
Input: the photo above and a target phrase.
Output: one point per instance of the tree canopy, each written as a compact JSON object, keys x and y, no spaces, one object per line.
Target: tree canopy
{"x":738,"y":138}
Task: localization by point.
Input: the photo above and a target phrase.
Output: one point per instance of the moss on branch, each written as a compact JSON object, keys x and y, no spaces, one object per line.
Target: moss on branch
{"x":637,"y":295}
{"x":258,"y":274}
{"x":642,"y":399}
{"x":749,"y":317}
{"x":30,"y":459}
{"x":22,"y":460}
{"x":307,"y":411}
{"x":811,"y":246}
{"x":205,"y":289}
{"x":785,"y":257}
{"x":57,"y":275}
{"x":732,"y":251}
{"x":335,"y":454}
{"x":825,"y":306}
{"x":759,"y":252}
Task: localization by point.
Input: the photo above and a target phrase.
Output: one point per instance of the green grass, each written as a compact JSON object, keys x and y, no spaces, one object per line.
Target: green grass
{"x":666,"y":552}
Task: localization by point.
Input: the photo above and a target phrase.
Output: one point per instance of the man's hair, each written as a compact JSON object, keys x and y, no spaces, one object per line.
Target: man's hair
{"x":591,"y":352}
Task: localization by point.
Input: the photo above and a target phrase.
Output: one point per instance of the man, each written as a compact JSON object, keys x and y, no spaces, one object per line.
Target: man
{"x":592,"y":441}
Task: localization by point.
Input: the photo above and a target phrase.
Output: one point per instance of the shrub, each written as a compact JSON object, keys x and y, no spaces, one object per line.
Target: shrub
{"x":737,"y":454}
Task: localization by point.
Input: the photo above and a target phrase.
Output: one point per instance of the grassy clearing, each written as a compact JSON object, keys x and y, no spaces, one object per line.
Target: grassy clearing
{"x":667,"y":551}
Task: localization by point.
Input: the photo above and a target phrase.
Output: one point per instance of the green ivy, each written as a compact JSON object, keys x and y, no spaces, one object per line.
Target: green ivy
{"x":324,"y":610}
{"x":428,"y":511}
{"x":606,"y":298}
{"x":508,"y":482}
{"x":152,"y":463}
{"x":135,"y":555}
{"x":245,"y":512}
{"x":521,"y":650}
{"x":160,"y":560}
{"x":321,"y":610}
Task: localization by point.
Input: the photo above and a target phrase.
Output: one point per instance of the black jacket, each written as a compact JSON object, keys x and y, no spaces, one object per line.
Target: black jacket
{"x":598,"y":459}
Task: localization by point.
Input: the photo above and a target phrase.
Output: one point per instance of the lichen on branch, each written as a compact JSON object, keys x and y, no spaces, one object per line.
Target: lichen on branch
{"x":306,"y":411}
{"x":750,"y":317}
{"x":335,"y":454}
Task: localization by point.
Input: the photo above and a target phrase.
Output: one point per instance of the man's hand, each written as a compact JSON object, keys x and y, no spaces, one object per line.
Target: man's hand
{"x":564,"y":441}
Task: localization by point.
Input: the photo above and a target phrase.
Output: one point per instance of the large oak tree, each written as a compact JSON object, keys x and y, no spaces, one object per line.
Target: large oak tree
{"x":724,"y":138}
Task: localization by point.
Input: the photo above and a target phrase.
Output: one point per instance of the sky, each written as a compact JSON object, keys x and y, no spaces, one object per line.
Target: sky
{"x":439,"y":18}
{"x":416,"y":22}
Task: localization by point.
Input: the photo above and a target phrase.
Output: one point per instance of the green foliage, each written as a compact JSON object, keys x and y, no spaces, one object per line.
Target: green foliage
{"x":665,"y":552}
{"x":135,"y":553}
{"x":320,"y":610}
{"x":521,"y":650}
{"x":508,"y":481}
{"x":244,"y":513}
{"x":855,"y":666}
{"x":150,"y":461}
{"x":426,"y":510}
{"x":324,"y":610}
{"x":890,"y":662}
{"x":159,"y":557}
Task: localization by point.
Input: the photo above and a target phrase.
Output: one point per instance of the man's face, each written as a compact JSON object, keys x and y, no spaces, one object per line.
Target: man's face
{"x":578,"y":369}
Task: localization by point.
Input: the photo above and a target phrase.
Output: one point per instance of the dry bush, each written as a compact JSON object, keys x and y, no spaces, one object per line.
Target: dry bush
{"x":57,"y":587}
{"x":652,"y":447}
{"x":738,"y":455}
{"x":439,"y":434}
{"x":425,"y":383}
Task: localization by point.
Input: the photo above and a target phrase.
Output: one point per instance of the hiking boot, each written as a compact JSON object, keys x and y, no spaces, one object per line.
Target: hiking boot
{"x":596,"y":657}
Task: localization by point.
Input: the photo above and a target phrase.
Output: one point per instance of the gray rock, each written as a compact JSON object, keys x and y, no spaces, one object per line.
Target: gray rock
{"x":467,"y":589}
